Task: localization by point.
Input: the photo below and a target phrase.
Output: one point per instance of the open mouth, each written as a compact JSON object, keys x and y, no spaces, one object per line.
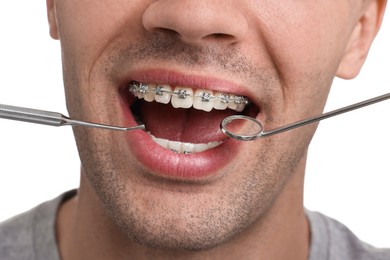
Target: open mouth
{"x":183,"y":119}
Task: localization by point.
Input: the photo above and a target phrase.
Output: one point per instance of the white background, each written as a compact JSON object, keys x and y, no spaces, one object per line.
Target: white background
{"x":348,"y":173}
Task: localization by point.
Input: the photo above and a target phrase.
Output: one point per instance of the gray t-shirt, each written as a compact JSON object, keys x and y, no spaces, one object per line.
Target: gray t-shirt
{"x":31,"y":236}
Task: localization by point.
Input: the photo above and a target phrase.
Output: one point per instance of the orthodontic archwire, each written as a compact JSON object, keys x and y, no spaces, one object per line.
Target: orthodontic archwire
{"x":142,"y":88}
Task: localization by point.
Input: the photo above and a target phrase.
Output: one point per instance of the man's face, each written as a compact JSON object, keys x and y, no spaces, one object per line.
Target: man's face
{"x":281,"y":55}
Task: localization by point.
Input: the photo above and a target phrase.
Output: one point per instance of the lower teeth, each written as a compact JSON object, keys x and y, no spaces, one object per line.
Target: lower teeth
{"x":184,"y":148}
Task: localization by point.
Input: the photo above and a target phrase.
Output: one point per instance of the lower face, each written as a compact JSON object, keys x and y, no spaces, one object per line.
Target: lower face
{"x":192,"y":187}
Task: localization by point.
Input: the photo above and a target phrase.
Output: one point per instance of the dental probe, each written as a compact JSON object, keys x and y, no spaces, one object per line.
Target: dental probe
{"x":260,"y":132}
{"x":52,"y":118}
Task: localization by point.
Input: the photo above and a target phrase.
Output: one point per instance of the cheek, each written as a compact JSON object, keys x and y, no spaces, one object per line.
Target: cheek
{"x":304,"y":38}
{"x":305,"y":47}
{"x":87,"y":27}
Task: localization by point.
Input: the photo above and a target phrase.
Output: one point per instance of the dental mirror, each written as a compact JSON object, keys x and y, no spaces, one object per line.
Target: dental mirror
{"x":52,"y":118}
{"x":244,"y":128}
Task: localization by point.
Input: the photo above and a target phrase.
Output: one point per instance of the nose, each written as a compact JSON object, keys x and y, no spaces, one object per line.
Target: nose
{"x":197,"y":21}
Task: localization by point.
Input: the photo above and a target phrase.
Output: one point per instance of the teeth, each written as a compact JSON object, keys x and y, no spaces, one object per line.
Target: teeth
{"x":182,"y":97}
{"x":237,"y":104}
{"x":188,"y":148}
{"x":162,"y":94}
{"x":184,"y":148}
{"x":149,"y":96}
{"x":203,"y":101}
{"x":222,"y":102}
{"x":174,"y":146}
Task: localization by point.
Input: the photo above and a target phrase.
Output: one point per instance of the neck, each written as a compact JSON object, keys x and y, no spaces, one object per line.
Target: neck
{"x":85,"y":231}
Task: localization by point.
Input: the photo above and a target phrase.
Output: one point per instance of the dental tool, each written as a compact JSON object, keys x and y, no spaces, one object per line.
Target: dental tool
{"x":255,"y":129}
{"x":52,"y":118}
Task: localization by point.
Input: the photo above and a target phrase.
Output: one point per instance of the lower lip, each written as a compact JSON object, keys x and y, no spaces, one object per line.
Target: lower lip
{"x":163,"y":162}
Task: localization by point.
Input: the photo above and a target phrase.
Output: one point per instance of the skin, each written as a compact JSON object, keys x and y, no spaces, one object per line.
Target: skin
{"x":284,"y":53}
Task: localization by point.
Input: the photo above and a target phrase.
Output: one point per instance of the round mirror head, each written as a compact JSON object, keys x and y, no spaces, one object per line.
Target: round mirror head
{"x":243,"y":128}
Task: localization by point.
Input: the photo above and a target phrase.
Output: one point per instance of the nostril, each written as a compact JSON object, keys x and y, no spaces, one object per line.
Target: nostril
{"x":221,"y":37}
{"x":166,"y":31}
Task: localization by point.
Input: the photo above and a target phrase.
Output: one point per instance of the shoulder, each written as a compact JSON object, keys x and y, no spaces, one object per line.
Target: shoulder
{"x":16,"y":233}
{"x":31,"y":235}
{"x":332,"y":240}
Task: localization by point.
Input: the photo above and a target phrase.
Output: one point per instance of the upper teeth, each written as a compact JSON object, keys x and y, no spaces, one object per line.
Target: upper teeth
{"x":182,"y":97}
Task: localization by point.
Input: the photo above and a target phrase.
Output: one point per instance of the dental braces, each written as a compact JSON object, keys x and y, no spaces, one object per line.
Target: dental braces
{"x":142,"y":88}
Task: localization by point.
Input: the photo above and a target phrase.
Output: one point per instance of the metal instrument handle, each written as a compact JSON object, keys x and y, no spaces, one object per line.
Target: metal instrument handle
{"x":52,"y":118}
{"x":262,"y":133}
{"x":323,"y":116}
{"x":32,"y":115}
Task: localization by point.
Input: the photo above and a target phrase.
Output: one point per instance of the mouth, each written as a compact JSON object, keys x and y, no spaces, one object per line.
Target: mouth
{"x":183,"y":119}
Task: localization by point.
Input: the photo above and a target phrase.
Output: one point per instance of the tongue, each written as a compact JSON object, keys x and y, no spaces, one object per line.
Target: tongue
{"x":184,"y":125}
